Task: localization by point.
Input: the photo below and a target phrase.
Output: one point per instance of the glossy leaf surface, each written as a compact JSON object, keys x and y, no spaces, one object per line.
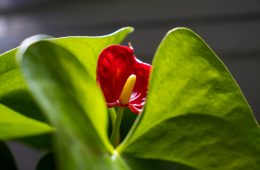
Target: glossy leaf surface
{"x":196,"y":114}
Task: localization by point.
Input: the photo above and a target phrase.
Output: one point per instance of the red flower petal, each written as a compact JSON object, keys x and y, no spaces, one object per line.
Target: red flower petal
{"x":115,"y":64}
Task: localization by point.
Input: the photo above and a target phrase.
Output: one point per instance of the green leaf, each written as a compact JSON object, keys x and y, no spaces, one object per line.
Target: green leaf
{"x":13,"y":89}
{"x":13,"y":125}
{"x":155,"y":164}
{"x":6,"y":159}
{"x":10,"y":76}
{"x":195,"y":113}
{"x":70,"y":98}
{"x":87,"y":49}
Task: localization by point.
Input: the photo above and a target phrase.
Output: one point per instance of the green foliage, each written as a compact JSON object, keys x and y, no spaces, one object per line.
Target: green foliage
{"x":14,"y":125}
{"x":195,"y":115}
{"x":13,"y":89}
{"x":73,"y":103}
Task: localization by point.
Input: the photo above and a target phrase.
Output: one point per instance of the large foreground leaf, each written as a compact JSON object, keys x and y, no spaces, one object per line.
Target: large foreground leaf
{"x":195,"y":114}
{"x":70,"y":98}
{"x":13,"y":89}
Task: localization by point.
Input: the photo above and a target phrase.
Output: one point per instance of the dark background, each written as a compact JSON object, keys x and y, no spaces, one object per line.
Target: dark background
{"x":231,"y":28}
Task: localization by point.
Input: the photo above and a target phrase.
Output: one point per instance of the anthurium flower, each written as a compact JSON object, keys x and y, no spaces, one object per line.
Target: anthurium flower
{"x":123,"y":78}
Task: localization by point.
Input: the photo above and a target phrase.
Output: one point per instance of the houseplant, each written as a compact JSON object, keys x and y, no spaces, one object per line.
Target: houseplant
{"x":195,"y":116}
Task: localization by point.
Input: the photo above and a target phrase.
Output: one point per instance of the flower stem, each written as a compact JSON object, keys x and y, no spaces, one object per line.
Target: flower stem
{"x":116,"y":128}
{"x":112,"y":114}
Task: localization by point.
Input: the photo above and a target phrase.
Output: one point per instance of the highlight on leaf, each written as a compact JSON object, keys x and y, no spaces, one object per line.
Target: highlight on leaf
{"x":195,"y":115}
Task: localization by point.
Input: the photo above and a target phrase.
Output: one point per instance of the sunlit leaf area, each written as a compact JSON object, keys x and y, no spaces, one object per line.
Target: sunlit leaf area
{"x":172,"y":88}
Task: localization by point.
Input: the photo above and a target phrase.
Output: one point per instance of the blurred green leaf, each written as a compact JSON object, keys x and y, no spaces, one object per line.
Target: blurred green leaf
{"x":10,"y":76}
{"x":15,"y":125}
{"x":6,"y":158}
{"x":195,"y":113}
{"x":13,"y":89}
{"x":70,"y":98}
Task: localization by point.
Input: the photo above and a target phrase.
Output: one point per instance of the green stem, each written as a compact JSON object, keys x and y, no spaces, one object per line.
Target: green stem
{"x":112,"y":114}
{"x":116,"y":127}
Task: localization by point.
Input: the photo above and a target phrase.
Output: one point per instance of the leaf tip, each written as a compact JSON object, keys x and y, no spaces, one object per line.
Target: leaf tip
{"x":28,"y":42}
{"x":126,"y":30}
{"x":129,"y":29}
{"x":179,"y":29}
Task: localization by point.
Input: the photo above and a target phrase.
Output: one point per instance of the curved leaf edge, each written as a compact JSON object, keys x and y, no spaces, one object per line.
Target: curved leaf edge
{"x":14,"y":50}
{"x":10,"y":56}
{"x":128,"y":29}
{"x":139,"y":118}
{"x":110,"y":155}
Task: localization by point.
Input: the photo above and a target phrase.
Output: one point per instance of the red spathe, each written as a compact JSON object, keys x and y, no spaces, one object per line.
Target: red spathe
{"x":115,"y":64}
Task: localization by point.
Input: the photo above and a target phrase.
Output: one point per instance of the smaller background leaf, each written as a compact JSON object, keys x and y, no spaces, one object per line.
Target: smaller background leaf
{"x":13,"y":125}
{"x":87,"y":49}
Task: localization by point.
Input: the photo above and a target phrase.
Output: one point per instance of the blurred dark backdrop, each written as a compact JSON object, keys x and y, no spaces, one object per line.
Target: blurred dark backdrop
{"x":231,"y":28}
